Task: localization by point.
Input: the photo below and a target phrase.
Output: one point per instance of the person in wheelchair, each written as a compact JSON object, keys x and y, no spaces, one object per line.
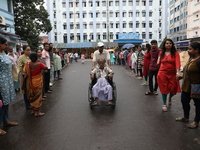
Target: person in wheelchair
{"x":101,"y":77}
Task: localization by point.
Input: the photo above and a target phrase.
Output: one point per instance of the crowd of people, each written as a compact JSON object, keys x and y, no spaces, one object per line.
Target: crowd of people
{"x":163,"y":68}
{"x":31,"y":72}
{"x":35,"y":72}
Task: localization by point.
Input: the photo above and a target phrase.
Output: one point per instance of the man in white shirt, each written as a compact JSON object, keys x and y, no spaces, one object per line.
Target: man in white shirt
{"x":101,"y":53}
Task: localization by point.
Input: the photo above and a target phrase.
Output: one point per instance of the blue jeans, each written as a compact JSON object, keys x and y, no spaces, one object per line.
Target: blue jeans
{"x":185,"y":100}
{"x":3,"y":114}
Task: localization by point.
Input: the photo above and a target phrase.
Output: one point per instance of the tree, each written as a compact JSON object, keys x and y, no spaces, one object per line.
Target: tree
{"x":31,"y":19}
{"x":161,"y":45}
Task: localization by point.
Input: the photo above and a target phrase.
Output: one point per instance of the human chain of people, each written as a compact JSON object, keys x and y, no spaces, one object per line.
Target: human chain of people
{"x":34,"y":73}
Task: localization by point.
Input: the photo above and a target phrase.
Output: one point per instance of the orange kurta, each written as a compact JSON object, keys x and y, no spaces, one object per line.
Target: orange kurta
{"x":166,"y":77}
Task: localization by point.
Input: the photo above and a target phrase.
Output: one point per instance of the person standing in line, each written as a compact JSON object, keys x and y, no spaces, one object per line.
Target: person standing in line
{"x":39,"y":53}
{"x":22,"y":61}
{"x":125,"y":53}
{"x":133,"y":62}
{"x":46,"y":58}
{"x":51,"y":64}
{"x":7,"y":92}
{"x":34,"y":84}
{"x":140,"y":61}
{"x":169,"y":61}
{"x":112,"y":58}
{"x":191,"y":74}
{"x":147,"y":60}
{"x":128,"y":62}
{"x":71,"y":56}
{"x":82,"y":58}
{"x":13,"y":57}
{"x":57,"y":64}
{"x":121,"y":57}
{"x":67,"y":58}
{"x":153,"y":68}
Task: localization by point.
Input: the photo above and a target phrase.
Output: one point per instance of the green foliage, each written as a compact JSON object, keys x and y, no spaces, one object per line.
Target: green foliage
{"x":31,"y":19}
{"x":161,"y":45}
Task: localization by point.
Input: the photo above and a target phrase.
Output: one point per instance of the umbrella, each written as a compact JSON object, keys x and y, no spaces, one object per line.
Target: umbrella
{"x":63,"y":50}
{"x":128,"y":46}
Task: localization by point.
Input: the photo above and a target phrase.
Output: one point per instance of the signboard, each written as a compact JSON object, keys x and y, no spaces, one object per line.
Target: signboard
{"x":182,"y":44}
{"x":128,"y":35}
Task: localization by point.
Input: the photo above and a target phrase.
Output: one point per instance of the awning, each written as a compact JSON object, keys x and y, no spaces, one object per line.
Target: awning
{"x":79,"y":45}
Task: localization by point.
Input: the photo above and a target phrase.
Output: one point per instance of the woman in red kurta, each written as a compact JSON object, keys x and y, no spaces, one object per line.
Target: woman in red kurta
{"x":147,"y":59}
{"x":169,"y":61}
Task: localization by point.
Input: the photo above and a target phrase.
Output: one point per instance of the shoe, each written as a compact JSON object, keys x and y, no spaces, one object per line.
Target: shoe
{"x":39,"y":115}
{"x":182,"y":119}
{"x":9,"y":123}
{"x":49,"y":91}
{"x":193,"y":125}
{"x":164,"y":108}
{"x":144,"y":84}
{"x":59,"y":78}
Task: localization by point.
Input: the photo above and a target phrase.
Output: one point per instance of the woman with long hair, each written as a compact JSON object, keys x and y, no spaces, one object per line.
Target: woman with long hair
{"x":34,"y":84}
{"x":147,"y":59}
{"x":22,"y":61}
{"x":7,"y":91}
{"x":169,"y":61}
{"x":191,"y":74}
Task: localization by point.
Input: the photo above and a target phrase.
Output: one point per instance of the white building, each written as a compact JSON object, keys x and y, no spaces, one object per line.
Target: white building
{"x":102,"y":20}
{"x":193,"y":30}
{"x":177,"y":20}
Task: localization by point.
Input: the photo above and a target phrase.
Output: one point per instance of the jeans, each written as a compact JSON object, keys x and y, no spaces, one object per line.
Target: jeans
{"x":58,"y":74}
{"x":151,"y":74}
{"x":47,"y":80}
{"x":185,"y":100}
{"x":3,"y":114}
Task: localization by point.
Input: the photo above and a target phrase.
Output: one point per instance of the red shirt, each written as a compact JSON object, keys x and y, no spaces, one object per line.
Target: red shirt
{"x":154,"y":53}
{"x":38,"y":70}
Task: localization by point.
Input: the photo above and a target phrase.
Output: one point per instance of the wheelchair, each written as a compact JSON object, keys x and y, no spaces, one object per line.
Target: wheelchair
{"x":114,"y":94}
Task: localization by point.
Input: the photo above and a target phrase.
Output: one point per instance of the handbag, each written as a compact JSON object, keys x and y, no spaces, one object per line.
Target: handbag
{"x":195,"y":91}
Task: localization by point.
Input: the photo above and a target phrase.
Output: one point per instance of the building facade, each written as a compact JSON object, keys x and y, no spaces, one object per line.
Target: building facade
{"x":193,"y":19}
{"x":178,"y":20}
{"x":103,"y":20}
{"x":7,"y":29}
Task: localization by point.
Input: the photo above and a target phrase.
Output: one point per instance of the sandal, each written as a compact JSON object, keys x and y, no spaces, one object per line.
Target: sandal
{"x":95,"y":103}
{"x":148,"y":93}
{"x":9,"y":123}
{"x":39,"y":115}
{"x":155,"y":93}
{"x":182,"y":119}
{"x":193,"y":125}
{"x":110,"y":103}
{"x":164,"y":108}
{"x":169,"y":103}
{"x":2,"y":132}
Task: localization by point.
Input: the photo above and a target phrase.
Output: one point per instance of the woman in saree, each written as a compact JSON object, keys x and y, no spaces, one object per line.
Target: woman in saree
{"x":34,"y":84}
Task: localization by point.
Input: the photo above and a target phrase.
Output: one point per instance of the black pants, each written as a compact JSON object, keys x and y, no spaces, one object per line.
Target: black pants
{"x":139,"y":72}
{"x":47,"y":80}
{"x":185,"y":100}
{"x":151,"y":74}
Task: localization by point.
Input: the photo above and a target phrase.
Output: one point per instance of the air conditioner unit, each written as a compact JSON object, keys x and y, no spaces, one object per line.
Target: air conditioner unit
{"x":2,"y":20}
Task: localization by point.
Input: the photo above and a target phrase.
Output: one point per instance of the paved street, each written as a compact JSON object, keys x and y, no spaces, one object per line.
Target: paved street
{"x":136,"y":123}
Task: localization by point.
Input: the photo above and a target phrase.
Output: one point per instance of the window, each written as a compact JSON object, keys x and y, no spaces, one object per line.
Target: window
{"x":65,"y":39}
{"x":78,"y":38}
{"x":124,"y":25}
{"x":111,"y":14}
{"x":104,"y":25}
{"x":70,"y":4}
{"x":104,"y":14}
{"x":55,"y":26}
{"x":111,"y":25}
{"x":77,"y":26}
{"x":117,"y":3}
{"x":143,"y":14}
{"x":150,"y":3}
{"x":130,"y":14}
{"x":144,"y":3}
{"x":64,"y":5}
{"x":97,"y":4}
{"x":150,"y":14}
{"x":55,"y":37}
{"x":137,"y":24}
{"x":117,"y":25}
{"x":9,"y":6}
{"x":130,"y":3}
{"x":160,"y":24}
{"x":85,"y":37}
{"x":84,"y":15}
{"x":103,"y":3}
{"x":124,"y":14}
{"x":72,"y":37}
{"x":110,"y":3}
{"x":71,"y":26}
{"x":84,"y":4}
{"x":160,"y":3}
{"x":97,"y":15}
{"x":77,"y":4}
{"x":64,"y":26}
{"x":54,"y":5}
{"x":124,"y":3}
{"x":85,"y":26}
{"x":104,"y":36}
{"x":150,"y":35}
{"x":70,"y":15}
{"x":98,"y":26}
{"x":98,"y":36}
{"x":137,"y":14}
{"x":137,"y":3}
{"x":130,"y":25}
{"x":117,"y":14}
{"x":160,"y":13}
{"x":143,"y":25}
{"x":90,"y":4}
{"x":143,"y":35}
{"x":77,"y":15}
{"x":150,"y":25}
{"x":91,"y":26}
{"x":91,"y":15}
{"x":64,"y":16}
{"x":111,"y":36}
{"x":54,"y":14}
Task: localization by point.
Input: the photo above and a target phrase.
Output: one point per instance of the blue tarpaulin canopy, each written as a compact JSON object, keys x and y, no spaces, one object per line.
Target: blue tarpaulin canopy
{"x":79,"y":45}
